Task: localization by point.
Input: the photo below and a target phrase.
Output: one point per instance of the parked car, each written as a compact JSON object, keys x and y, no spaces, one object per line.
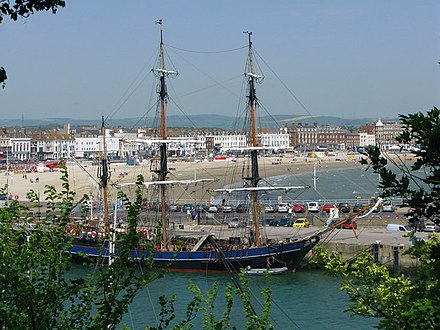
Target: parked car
{"x":270,"y":209}
{"x":283,"y":207}
{"x":235,"y":223}
{"x":357,"y":207}
{"x":201,"y":208}
{"x":349,"y":224}
{"x":313,"y":207}
{"x":274,"y":223}
{"x":285,"y":222}
{"x":416,"y":225}
{"x":431,"y":227}
{"x":301,"y":223}
{"x":187,"y":207}
{"x":387,"y":207}
{"x":267,"y":222}
{"x":242,"y":208}
{"x":214,"y":208}
{"x":326,"y":208}
{"x":299,"y":208}
{"x":228,"y":208}
{"x":150,"y":206}
{"x":174,"y":208}
{"x":344,"y":207}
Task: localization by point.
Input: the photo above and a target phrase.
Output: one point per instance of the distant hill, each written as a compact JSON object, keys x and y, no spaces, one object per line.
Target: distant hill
{"x":198,"y":121}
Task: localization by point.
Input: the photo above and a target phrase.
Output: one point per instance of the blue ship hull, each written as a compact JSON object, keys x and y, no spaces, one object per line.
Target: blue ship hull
{"x":288,"y":254}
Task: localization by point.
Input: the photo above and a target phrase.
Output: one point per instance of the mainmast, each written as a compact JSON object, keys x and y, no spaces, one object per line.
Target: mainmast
{"x":252,"y":104}
{"x":162,"y":169}
{"x":251,"y":174}
{"x":104,"y":176}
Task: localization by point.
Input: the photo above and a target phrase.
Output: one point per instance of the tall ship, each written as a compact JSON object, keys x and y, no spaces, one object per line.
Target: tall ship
{"x":204,"y":252}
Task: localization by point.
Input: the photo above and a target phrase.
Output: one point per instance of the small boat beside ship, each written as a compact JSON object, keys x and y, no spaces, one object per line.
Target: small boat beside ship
{"x":264,"y":271}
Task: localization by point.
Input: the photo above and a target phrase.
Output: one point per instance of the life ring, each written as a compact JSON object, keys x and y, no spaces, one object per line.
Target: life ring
{"x":94,"y":234}
{"x":270,"y":261}
{"x":147,"y":234}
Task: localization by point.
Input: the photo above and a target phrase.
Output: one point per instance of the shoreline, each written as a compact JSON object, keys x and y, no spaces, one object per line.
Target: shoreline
{"x":224,"y":171}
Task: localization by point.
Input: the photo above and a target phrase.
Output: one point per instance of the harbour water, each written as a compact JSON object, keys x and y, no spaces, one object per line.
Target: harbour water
{"x":332,"y":184}
{"x":307,"y":299}
{"x":301,"y":300}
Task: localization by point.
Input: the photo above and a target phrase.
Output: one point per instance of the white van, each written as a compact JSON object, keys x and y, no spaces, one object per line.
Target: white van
{"x":397,"y":227}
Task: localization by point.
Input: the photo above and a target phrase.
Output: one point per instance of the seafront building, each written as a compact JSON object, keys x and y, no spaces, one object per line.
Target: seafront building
{"x":132,"y":144}
{"x":91,"y":145}
{"x":51,"y":146}
{"x":309,"y":137}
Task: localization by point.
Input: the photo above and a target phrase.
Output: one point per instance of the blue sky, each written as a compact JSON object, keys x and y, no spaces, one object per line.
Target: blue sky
{"x":351,"y":59}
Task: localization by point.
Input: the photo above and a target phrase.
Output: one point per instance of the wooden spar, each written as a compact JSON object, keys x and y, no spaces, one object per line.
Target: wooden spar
{"x":254,"y":153}
{"x":104,"y":179}
{"x":163,"y":148}
{"x":162,"y":89}
{"x":162,"y":169}
{"x":252,"y":94}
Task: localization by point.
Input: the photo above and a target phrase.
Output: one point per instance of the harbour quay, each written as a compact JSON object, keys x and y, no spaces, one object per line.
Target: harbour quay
{"x":388,"y":247}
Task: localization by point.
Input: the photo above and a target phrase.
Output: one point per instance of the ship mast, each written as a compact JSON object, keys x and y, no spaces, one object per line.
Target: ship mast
{"x":253,"y":180}
{"x":104,"y":176}
{"x":162,"y":169}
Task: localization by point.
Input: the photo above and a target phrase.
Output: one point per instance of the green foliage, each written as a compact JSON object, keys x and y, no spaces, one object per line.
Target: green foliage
{"x":206,"y":304}
{"x":421,"y":192}
{"x":3,"y":76}
{"x":400,"y":302}
{"x":35,"y":292}
{"x":25,"y":8}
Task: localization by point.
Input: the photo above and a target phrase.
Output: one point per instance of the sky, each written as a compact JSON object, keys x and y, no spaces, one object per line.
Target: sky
{"x":350,"y":59}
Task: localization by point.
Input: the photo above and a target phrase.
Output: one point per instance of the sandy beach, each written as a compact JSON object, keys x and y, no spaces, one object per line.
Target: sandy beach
{"x":224,"y":172}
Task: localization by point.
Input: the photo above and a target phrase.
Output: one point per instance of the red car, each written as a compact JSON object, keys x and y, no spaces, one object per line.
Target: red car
{"x":299,"y":208}
{"x":326,"y":208}
{"x":349,"y":224}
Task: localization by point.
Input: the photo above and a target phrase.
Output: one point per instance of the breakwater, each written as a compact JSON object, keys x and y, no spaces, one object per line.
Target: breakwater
{"x":390,"y":255}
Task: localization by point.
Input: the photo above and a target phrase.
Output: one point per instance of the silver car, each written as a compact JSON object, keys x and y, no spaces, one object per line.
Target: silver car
{"x":387,"y":207}
{"x":228,"y":209}
{"x":235,"y":223}
{"x":431,"y":227}
{"x":283,"y":207}
{"x":213,"y":208}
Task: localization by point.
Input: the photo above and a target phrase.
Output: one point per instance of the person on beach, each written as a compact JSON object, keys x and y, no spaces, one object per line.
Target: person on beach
{"x":291,"y":212}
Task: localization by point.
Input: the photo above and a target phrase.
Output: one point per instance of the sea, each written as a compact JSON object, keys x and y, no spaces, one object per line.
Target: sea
{"x":306,"y":299}
{"x":350,"y":184}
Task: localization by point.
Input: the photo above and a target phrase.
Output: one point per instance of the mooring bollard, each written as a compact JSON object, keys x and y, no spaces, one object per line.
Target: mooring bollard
{"x":396,"y":254}
{"x":376,"y":252}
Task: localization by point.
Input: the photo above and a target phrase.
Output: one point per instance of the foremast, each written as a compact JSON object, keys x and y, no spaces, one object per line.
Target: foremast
{"x":161,"y":169}
{"x":104,"y":176}
{"x":252,"y":103}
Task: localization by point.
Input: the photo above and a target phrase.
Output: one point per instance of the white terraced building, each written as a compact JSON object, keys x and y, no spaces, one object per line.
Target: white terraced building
{"x":89,"y":147}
